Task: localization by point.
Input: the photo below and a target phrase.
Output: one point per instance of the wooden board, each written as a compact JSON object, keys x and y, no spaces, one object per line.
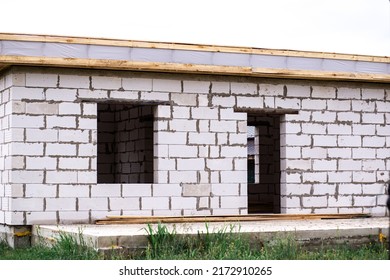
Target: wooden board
{"x":183,"y":46}
{"x":193,"y":69}
{"x":112,"y":220}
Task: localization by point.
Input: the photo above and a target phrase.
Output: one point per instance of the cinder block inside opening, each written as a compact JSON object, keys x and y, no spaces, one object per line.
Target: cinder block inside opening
{"x":264,"y":164}
{"x":125,"y":143}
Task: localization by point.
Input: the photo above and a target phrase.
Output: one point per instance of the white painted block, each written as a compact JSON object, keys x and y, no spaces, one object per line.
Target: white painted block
{"x":41,"y":80}
{"x":27,"y":149}
{"x":299,"y":164}
{"x":374,"y":141}
{"x":250,"y":102}
{"x":40,"y":190}
{"x":204,"y":113}
{"x":184,"y":99}
{"x":364,"y":177}
{"x":314,"y":177}
{"x":349,"y":141}
{"x":374,"y":165}
{"x":313,"y":128}
{"x":165,"y":164}
{"x":95,"y":203}
{"x":340,"y":201}
{"x":73,"y":191}
{"x":229,"y":114}
{"x":25,"y":176}
{"x":339,"y":177}
{"x":89,"y":109}
{"x":183,"y":203}
{"x":123,"y":95}
{"x":196,"y":86}
{"x":363,"y":106}
{"x":349,"y":164}
{"x":220,"y":164}
{"x":73,"y":163}
{"x":375,"y":189}
{"x":182,"y":125}
{"x":296,"y":140}
{"x":92,"y":95}
{"x":313,"y":104}
{"x":180,"y":112}
{"x":296,"y":91}
{"x":183,"y":151}
{"x":202,"y":138}
{"x":224,"y":101}
{"x":87,"y":150}
{"x":339,"y":129}
{"x":167,"y":85}
{"x":223,"y":126}
{"x":233,"y":202}
{"x":345,"y":189}
{"x":324,"y":165}
{"x":60,"y":122}
{"x":269,"y":102}
{"x":291,"y":152}
{"x":128,"y":203}
{"x":233,"y":151}
{"x":41,"y":108}
{"x":323,"y":116}
{"x":323,"y":92}
{"x":136,"y":190}
{"x":348,"y":93}
{"x":238,"y":176}
{"x":172,"y":138}
{"x":349,"y":117}
{"x":237,"y":139}
{"x":166,"y":190}
{"x":369,"y":201}
{"x":73,"y":136}
{"x":288,"y":103}
{"x":102,"y":82}
{"x":315,"y":201}
{"x":24,"y":121}
{"x":87,"y":177}
{"x":87,"y":123}
{"x":60,"y":204}
{"x":154,"y":96}
{"x":158,"y":203}
{"x":339,"y":152}
{"x":243,"y":88}
{"x":61,"y":94}
{"x":220,"y":87}
{"x":373,"y":118}
{"x":291,"y":202}
{"x":363,"y":153}
{"x":142,"y":84}
{"x":74,"y":81}
{"x":41,"y":163}
{"x":22,"y":93}
{"x":382,"y":130}
{"x":41,"y":135}
{"x":61,"y":177}
{"x":182,"y":176}
{"x":363,"y":129}
{"x":338,"y":105}
{"x":65,"y":108}
{"x":225,"y":189}
{"x":373,"y":94}
{"x":41,"y":218}
{"x":191,"y":164}
{"x":324,"y":189}
{"x":58,"y":149}
{"x":222,"y":139}
{"x":26,"y":204}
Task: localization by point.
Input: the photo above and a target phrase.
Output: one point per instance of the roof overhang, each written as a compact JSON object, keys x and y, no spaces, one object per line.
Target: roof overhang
{"x":72,"y":52}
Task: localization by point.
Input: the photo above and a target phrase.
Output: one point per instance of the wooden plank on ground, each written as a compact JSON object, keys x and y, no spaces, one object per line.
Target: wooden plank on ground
{"x":235,"y":218}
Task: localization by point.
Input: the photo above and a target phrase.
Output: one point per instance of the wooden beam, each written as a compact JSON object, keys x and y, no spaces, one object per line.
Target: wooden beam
{"x":193,"y":69}
{"x":234,"y":218}
{"x":192,"y":47}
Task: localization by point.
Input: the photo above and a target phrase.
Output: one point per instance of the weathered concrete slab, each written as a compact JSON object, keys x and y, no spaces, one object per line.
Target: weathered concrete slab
{"x":311,"y":232}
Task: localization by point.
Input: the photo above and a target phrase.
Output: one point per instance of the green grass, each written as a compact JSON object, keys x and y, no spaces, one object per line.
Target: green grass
{"x":220,"y":245}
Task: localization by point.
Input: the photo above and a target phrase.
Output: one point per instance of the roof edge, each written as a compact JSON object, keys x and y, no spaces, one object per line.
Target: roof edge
{"x":187,"y":46}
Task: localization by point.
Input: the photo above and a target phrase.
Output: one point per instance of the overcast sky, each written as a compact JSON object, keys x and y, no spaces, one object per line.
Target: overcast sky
{"x":343,"y":26}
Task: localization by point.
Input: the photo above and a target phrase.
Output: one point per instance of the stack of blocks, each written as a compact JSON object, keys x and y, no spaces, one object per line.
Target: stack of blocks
{"x":78,"y":145}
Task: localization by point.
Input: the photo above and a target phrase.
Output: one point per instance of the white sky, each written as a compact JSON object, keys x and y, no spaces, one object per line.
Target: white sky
{"x":344,"y":26}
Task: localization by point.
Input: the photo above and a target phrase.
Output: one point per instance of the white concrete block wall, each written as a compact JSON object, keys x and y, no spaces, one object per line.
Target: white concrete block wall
{"x":334,"y":152}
